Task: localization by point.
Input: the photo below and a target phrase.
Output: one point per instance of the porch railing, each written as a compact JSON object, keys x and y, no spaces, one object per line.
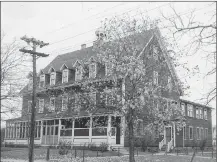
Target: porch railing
{"x":169,"y":145}
{"x":161,"y":144}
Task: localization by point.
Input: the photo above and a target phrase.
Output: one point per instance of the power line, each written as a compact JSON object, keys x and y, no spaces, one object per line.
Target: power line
{"x":172,"y":16}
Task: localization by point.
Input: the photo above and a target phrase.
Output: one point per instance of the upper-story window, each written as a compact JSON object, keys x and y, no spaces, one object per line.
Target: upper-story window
{"x":197,"y":113}
{"x":52,"y":78}
{"x":41,"y":106}
{"x":198,"y":133}
{"x":155,"y":77}
{"x":78,"y":73}
{"x":155,"y":52}
{"x":64,"y":103}
{"x":201,"y":113}
{"x":92,"y":70}
{"x":205,"y":114}
{"x":52,"y":104}
{"x":190,"y":110}
{"x":108,"y":69}
{"x":183,"y":108}
{"x":65,"y":76}
{"x":42,"y":80}
{"x":29,"y":106}
{"x":170,"y":83}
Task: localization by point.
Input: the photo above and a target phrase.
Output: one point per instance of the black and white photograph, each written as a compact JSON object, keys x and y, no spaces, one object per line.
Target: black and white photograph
{"x":108,"y":81}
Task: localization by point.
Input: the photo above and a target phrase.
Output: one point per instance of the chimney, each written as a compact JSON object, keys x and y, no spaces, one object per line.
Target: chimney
{"x":83,"y":46}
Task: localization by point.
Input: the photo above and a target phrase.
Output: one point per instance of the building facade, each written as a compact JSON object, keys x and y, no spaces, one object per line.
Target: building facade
{"x":60,"y":117}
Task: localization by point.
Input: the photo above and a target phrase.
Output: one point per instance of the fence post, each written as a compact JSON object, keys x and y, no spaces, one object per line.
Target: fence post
{"x":48,"y":154}
{"x":212,"y":152}
{"x":83,"y":154}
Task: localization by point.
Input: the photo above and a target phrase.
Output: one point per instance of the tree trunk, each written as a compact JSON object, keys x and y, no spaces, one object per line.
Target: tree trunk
{"x":131,"y":137}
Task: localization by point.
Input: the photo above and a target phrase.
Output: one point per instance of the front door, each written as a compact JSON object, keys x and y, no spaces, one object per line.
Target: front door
{"x":168,"y":134}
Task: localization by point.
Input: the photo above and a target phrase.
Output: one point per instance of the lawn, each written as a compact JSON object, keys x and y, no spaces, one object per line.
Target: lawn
{"x":40,"y":153}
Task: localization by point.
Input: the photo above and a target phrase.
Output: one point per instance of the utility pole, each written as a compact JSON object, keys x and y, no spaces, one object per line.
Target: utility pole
{"x":34,"y":44}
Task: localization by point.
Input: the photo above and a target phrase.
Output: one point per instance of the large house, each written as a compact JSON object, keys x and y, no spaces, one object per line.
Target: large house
{"x":56,"y":121}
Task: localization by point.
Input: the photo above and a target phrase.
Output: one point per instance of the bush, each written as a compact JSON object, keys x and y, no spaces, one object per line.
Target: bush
{"x":147,"y":141}
{"x":202,"y":144}
{"x":64,"y":147}
{"x":92,"y":146}
{"x":103,"y":147}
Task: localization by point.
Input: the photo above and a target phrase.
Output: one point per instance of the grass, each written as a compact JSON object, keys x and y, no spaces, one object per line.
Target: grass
{"x":40,"y":153}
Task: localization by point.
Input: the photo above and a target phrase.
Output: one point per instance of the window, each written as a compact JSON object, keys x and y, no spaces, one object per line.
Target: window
{"x":198,"y":133}
{"x":201,"y":113}
{"x":108,"y":69}
{"x":92,"y":70}
{"x":52,"y":78}
{"x":65,"y":76}
{"x":170,"y":83}
{"x":52,"y":104}
{"x":184,"y":132}
{"x":190,"y":110}
{"x":92,"y":98}
{"x":41,"y":105}
{"x":29,"y":106}
{"x":64,"y":103}
{"x":78,"y":73}
{"x":183,"y":108}
{"x":197,"y":113}
{"x":155,"y":52}
{"x":205,"y":114}
{"x":206,"y":133}
{"x":190,"y":132}
{"x":155,"y":78}
{"x":201,"y":133}
{"x":110,"y":98}
{"x":42,"y":80}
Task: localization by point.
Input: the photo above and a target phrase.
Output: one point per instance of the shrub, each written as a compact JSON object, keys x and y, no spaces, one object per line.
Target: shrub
{"x":202,"y":144}
{"x":103,"y":147}
{"x":146,"y":141}
{"x":64,"y":147}
{"x":92,"y":146}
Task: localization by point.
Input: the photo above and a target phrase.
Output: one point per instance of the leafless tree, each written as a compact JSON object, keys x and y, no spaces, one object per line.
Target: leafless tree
{"x":202,"y":38}
{"x":12,"y":81}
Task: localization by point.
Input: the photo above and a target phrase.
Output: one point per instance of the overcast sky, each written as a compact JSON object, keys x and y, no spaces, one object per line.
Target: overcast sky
{"x":67,"y":25}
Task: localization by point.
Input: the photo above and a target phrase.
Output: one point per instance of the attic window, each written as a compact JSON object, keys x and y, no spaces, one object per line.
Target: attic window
{"x":78,"y":73}
{"x":65,"y":76}
{"x":42,"y":80}
{"x":52,"y":78}
{"x":92,"y":70}
{"x":155,"y":52}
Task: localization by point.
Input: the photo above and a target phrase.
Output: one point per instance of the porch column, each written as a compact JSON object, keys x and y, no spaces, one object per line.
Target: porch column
{"x":174,"y":134}
{"x":90,"y":128}
{"x":73,"y":126}
{"x":41,"y":133}
{"x":109,"y":130}
{"x":59,"y":131}
{"x":122,"y":130}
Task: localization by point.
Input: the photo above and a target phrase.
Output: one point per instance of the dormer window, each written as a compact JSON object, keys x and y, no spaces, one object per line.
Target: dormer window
{"x":108,"y":69}
{"x":92,"y":70}
{"x":42,"y":81}
{"x":52,"y":78}
{"x":155,"y":52}
{"x":65,"y":76}
{"x":155,"y":78}
{"x":169,"y":83}
{"x":78,"y":73}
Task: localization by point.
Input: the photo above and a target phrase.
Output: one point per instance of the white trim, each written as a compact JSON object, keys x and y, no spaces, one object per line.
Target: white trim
{"x":40,"y":110}
{"x":192,"y":133}
{"x":185,"y":132}
{"x":67,"y":75}
{"x":51,"y":74}
{"x":62,"y":108}
{"x":49,"y":71}
{"x":76,"y":75}
{"x":146,"y":46}
{"x":76,"y":62}
{"x":61,"y":68}
{"x":91,"y":59}
{"x":91,"y":73}
{"x":52,"y":109}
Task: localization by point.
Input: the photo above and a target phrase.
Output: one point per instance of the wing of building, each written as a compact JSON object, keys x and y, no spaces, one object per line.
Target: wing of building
{"x":56,"y":121}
